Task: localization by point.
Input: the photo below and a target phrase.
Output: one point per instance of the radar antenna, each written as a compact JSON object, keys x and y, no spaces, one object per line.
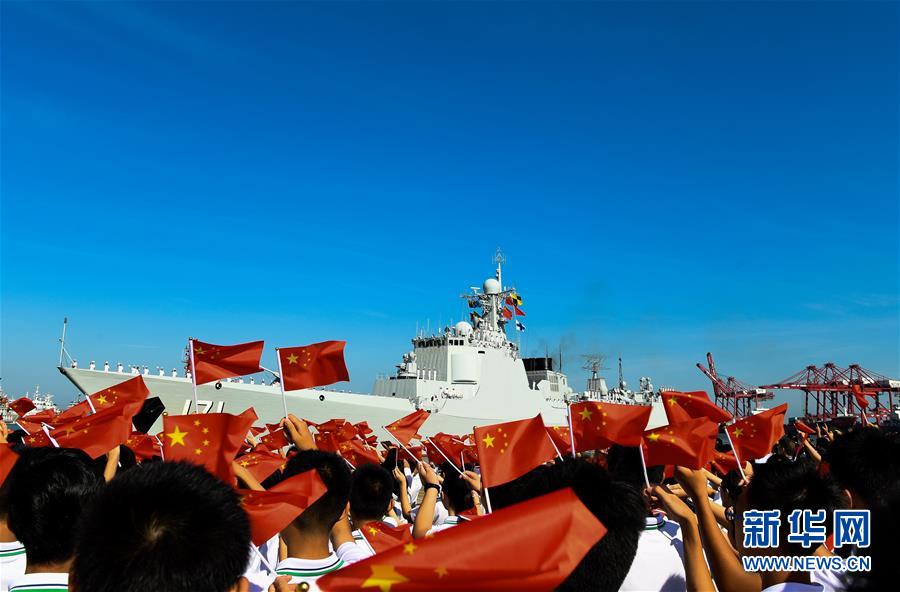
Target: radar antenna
{"x":499,"y":259}
{"x":594,"y":364}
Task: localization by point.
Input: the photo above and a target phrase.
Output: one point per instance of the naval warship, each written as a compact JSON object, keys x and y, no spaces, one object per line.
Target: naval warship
{"x":465,"y":375}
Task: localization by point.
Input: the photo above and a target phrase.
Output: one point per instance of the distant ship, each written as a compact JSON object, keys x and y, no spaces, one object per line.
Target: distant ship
{"x":466,"y":375}
{"x":42,"y":402}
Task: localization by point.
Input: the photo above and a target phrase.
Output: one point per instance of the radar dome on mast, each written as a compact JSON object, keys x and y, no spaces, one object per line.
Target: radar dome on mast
{"x":463,"y":328}
{"x":491,"y":286}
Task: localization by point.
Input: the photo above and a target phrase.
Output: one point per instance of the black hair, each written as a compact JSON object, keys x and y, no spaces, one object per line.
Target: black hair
{"x":370,"y":492}
{"x":327,"y":510}
{"x":619,"y":506}
{"x":624,"y":464}
{"x":162,"y":526}
{"x":48,"y":489}
{"x":459,"y":496}
{"x":867,"y":462}
{"x":785,"y":485}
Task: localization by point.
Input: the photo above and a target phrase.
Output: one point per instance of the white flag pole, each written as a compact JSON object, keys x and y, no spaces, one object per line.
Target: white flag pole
{"x":487,"y":500}
{"x":397,"y":440}
{"x":193,"y":375}
{"x":571,"y":431}
{"x":736,"y":457}
{"x":281,"y":382}
{"x":444,"y":455}
{"x":644,"y":465}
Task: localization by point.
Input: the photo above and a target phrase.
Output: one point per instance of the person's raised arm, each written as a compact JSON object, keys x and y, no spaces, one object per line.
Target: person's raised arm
{"x":405,"y":506}
{"x":724,"y":563}
{"x":425,"y":517}
{"x":298,"y":432}
{"x":695,"y":569}
{"x":246,"y":477}
{"x":811,"y":450}
{"x":112,"y":464}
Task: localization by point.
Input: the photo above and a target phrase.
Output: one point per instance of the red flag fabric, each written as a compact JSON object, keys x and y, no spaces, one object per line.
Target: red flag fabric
{"x":271,"y":511}
{"x":482,"y":555}
{"x":362,"y":428}
{"x":22,"y":406}
{"x":130,"y":392}
{"x":407,"y":427}
{"x":318,"y":364}
{"x":754,"y":436}
{"x":8,"y":459}
{"x":600,"y":425}
{"x":384,"y":537}
{"x":144,"y":446}
{"x":451,"y":446}
{"x":28,"y":427}
{"x":682,"y":406}
{"x":275,"y":440}
{"x":215,"y":362}
{"x":262,"y":464}
{"x":859,"y":395}
{"x":518,"y":311}
{"x":358,"y":453}
{"x":802,"y":427}
{"x":724,"y":462}
{"x":507,"y":313}
{"x":470,"y":454}
{"x":560,"y":437}
{"x":110,"y":426}
{"x":689,"y":444}
{"x":211,"y":440}
{"x":256,"y":430}
{"x":38,"y":438}
{"x":326,"y":441}
{"x":509,"y":450}
{"x":412,"y":453}
{"x":45,"y":416}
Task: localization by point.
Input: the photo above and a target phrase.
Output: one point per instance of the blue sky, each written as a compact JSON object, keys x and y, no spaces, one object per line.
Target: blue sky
{"x":665,"y":179}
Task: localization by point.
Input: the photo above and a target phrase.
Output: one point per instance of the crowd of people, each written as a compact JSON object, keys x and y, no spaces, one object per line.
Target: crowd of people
{"x":70,"y":522}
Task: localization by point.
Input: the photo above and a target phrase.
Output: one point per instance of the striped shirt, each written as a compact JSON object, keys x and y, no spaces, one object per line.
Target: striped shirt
{"x":12,"y":563}
{"x":308,"y":570}
{"x":40,"y":582}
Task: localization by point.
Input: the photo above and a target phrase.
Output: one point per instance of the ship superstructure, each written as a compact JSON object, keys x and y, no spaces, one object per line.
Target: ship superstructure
{"x":467,"y":374}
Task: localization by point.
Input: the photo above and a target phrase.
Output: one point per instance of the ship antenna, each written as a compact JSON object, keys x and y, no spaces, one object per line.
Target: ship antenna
{"x":621,"y":375}
{"x":500,"y":259}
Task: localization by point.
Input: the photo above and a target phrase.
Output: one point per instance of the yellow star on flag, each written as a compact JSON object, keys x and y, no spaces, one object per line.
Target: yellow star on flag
{"x":653,"y":437}
{"x":177,"y":437}
{"x":488,"y":441}
{"x":101,"y":400}
{"x":292,"y":359}
{"x":441,"y":572}
{"x":409,"y":548}
{"x":383,"y":577}
{"x":586,"y":414}
{"x":738,"y":432}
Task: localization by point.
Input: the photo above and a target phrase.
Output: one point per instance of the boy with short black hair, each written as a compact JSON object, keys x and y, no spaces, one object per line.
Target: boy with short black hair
{"x":48,"y":489}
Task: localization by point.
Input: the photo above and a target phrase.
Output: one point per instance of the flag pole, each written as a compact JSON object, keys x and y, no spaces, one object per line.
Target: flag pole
{"x":193,"y":374}
{"x":555,"y":447}
{"x":462,"y":460}
{"x":736,"y":457}
{"x":571,"y":431}
{"x":444,"y":455}
{"x":487,"y":500}
{"x":397,"y":440}
{"x":281,"y":382}
{"x":644,"y":466}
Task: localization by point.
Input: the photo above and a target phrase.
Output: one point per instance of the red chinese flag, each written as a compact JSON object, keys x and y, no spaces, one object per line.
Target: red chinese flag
{"x":271,"y":511}
{"x":215,"y":362}
{"x":211,"y":440}
{"x":754,"y":436}
{"x":38,"y":438}
{"x":130,"y":393}
{"x":511,"y":449}
{"x":689,"y":444}
{"x":275,"y":440}
{"x":326,"y":441}
{"x":689,"y":405}
{"x":451,"y":446}
{"x":255,"y":430}
{"x":859,"y":395}
{"x":8,"y":459}
{"x":45,"y":416}
{"x":600,"y":425}
{"x":407,"y":427}
{"x":96,"y":434}
{"x":362,"y":428}
{"x":29,"y":427}
{"x":802,"y":427}
{"x":384,"y":537}
{"x":22,"y":406}
{"x":560,"y":437}
{"x":470,"y":454}
{"x":144,"y":446}
{"x":358,"y":453}
{"x":411,"y":453}
{"x":724,"y":462}
{"x":486,"y":554}
{"x":346,"y":431}
{"x":261,"y":464}
{"x":318,"y":364}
